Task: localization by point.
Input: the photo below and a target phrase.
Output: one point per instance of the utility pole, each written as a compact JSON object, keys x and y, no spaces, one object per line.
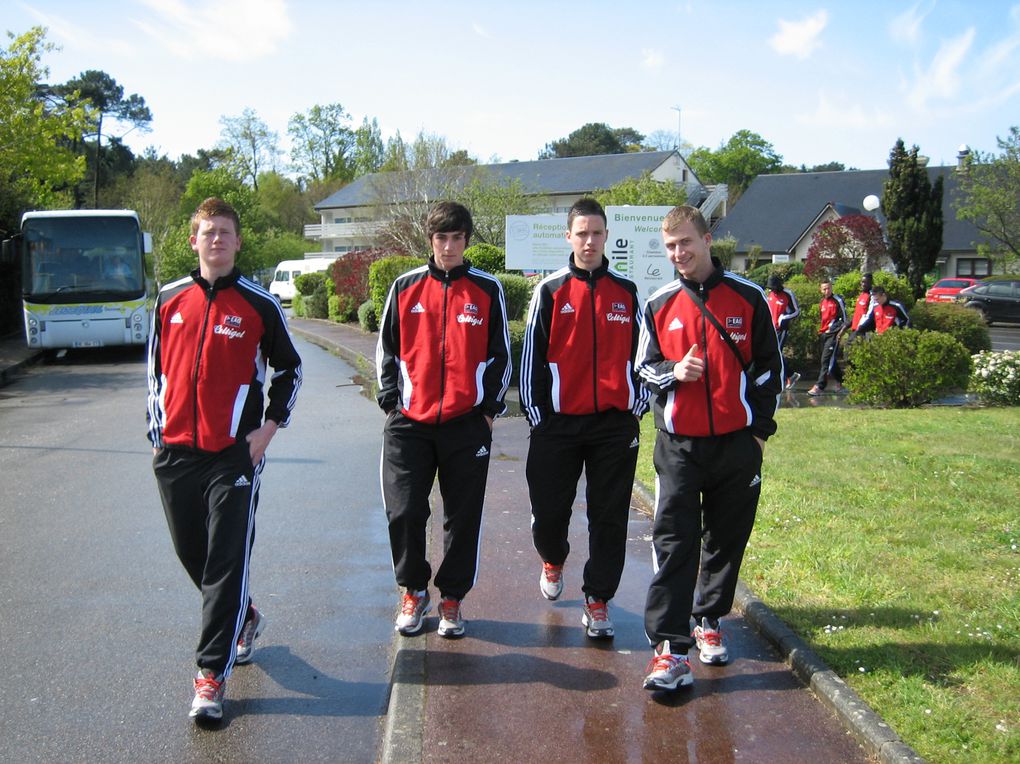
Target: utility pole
{"x":678,"y":139}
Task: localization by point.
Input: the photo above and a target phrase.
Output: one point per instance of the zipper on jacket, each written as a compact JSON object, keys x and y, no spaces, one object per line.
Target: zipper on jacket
{"x":704,"y":344}
{"x":210,"y":294}
{"x":594,"y":346}
{"x":442,"y":353}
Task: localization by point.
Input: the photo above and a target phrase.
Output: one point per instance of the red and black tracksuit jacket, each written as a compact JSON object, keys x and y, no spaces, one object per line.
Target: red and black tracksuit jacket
{"x":882,"y":317}
{"x":580,"y":345}
{"x":783,"y":308}
{"x":208,"y":351}
{"x":864,"y":303}
{"x":725,"y":399}
{"x":444,"y":345}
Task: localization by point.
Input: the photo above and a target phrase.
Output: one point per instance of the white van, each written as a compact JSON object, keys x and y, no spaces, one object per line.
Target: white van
{"x":288,"y":270}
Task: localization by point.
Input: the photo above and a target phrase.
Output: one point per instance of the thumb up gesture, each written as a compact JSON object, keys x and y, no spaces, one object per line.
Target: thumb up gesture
{"x":691,"y":367}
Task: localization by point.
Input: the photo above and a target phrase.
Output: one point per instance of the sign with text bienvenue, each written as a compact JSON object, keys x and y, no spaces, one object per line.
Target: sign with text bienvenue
{"x":634,"y":247}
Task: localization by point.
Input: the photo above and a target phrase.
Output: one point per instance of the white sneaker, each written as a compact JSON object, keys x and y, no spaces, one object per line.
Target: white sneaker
{"x":413,"y":607}
{"x":450,"y":622}
{"x":208,"y":702}
{"x":251,"y":631}
{"x":595,"y":619}
{"x":711,"y":647}
{"x":667,"y":671}
{"x":551,"y":581}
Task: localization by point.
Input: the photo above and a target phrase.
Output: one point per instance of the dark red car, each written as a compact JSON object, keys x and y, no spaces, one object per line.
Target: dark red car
{"x":945,"y":290}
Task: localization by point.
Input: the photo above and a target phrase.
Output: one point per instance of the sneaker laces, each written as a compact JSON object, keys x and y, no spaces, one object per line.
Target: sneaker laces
{"x":206,"y":687}
{"x":552,"y":573}
{"x":410,"y":604}
{"x":711,"y":637}
{"x":449,"y":610}
{"x":663,"y":662}
{"x":597,"y":611}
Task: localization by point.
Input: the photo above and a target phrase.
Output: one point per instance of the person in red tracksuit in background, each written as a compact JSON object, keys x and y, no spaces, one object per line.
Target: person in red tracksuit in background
{"x":582,"y":397}
{"x":884,"y":314}
{"x":214,"y":333}
{"x":783,"y":307}
{"x":864,"y":301}
{"x":717,"y":388}
{"x":833,"y":323}
{"x":443,"y":365}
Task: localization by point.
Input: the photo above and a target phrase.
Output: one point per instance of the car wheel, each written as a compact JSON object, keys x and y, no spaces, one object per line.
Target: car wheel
{"x":981,"y":312}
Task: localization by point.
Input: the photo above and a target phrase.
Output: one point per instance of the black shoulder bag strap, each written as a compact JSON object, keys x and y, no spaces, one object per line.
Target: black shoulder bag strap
{"x":696,"y":299}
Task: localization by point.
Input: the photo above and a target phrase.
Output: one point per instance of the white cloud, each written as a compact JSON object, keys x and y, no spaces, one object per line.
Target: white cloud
{"x":799,"y":38}
{"x":840,"y":114}
{"x":942,"y":79}
{"x":230,"y":30}
{"x":906,"y":27}
{"x":652,"y":59}
{"x":480,"y":30}
{"x":78,"y":38}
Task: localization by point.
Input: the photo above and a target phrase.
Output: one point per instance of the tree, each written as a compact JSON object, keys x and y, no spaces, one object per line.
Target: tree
{"x":849,"y":243}
{"x":37,"y":165}
{"x":282,"y":204}
{"x":369,"y":150}
{"x":590,"y":140}
{"x":490,"y":200}
{"x":251,"y":146}
{"x":322,"y":143}
{"x":744,"y":157}
{"x":991,"y":190}
{"x":642,"y":191}
{"x":105,"y":100}
{"x":912,"y":205}
{"x":395,"y":157}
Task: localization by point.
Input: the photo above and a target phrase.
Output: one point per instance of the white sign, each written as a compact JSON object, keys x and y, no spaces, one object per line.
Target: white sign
{"x":634,"y":247}
{"x":536,"y":242}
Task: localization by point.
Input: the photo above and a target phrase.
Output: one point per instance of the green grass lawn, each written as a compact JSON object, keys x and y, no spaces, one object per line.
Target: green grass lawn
{"x":890,"y":541}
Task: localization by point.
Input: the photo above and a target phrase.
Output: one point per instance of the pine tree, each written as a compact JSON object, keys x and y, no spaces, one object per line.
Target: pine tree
{"x":912,"y":205}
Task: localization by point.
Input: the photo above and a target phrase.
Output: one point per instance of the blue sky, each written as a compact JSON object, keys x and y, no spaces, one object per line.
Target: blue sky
{"x":821,"y":81}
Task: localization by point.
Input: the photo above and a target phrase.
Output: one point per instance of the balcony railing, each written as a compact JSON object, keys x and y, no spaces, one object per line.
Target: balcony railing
{"x":362,"y":230}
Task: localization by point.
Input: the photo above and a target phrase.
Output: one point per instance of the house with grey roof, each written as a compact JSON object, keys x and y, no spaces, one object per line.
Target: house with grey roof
{"x":352,"y":217}
{"x":780,"y":214}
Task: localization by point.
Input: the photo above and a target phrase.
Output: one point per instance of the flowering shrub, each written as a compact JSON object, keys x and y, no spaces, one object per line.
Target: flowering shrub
{"x":996,"y":377}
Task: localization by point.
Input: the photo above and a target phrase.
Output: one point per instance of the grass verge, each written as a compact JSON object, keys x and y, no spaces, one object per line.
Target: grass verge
{"x":890,"y":541}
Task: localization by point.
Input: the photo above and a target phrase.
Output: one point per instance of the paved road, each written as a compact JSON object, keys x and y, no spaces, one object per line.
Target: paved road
{"x":98,"y":620}
{"x":1005,"y":336}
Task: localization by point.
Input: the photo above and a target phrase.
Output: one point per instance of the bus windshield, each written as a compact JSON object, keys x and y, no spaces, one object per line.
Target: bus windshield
{"x":82,"y":259}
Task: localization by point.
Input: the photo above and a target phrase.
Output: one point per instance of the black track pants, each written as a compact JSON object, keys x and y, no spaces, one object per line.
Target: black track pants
{"x":210,"y":501}
{"x":705,"y":501}
{"x":606,"y":446}
{"x":831,"y":353}
{"x":413,"y":453}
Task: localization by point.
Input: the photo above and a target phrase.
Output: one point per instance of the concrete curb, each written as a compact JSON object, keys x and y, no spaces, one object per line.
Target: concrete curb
{"x":402,"y":741}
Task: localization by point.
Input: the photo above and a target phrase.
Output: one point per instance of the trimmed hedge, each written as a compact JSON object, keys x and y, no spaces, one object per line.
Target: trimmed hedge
{"x":951,"y":318}
{"x":381,"y":275}
{"x":905,"y":368}
{"x":518,"y":294}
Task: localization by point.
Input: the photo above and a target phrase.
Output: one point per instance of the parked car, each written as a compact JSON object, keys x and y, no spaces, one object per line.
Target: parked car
{"x":945,"y":290}
{"x":995,"y":300}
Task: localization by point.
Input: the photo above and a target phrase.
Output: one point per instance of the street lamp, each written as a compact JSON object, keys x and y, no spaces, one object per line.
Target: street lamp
{"x":678,"y":138}
{"x":871,"y":203}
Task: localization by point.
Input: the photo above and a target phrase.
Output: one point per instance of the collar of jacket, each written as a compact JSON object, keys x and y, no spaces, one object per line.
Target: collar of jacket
{"x":447,"y":276}
{"x":223,"y":282}
{"x":585,"y":275}
{"x":713,"y":280}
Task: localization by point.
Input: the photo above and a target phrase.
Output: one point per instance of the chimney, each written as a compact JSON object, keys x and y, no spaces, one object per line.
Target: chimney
{"x":961,"y":158}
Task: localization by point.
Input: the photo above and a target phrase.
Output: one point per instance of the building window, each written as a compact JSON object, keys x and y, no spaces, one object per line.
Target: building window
{"x":341,"y":220}
{"x":974,"y":267}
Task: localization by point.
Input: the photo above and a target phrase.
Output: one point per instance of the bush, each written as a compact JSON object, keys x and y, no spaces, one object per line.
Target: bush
{"x":518,"y":294}
{"x":297,"y":305}
{"x":950,"y":318}
{"x":307,"y":283}
{"x":343,"y":309}
{"x":350,"y":277}
{"x":996,"y":377}
{"x":489,"y":258}
{"x":317,"y":303}
{"x":785,"y":271}
{"x":724,"y":249}
{"x":802,"y":343}
{"x":905,"y":368}
{"x":368,"y":319}
{"x":517,"y":329}
{"x":381,"y":275}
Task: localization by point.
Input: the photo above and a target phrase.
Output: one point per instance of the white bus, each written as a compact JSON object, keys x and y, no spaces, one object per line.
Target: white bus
{"x":83,"y":278}
{"x":282,"y":284}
